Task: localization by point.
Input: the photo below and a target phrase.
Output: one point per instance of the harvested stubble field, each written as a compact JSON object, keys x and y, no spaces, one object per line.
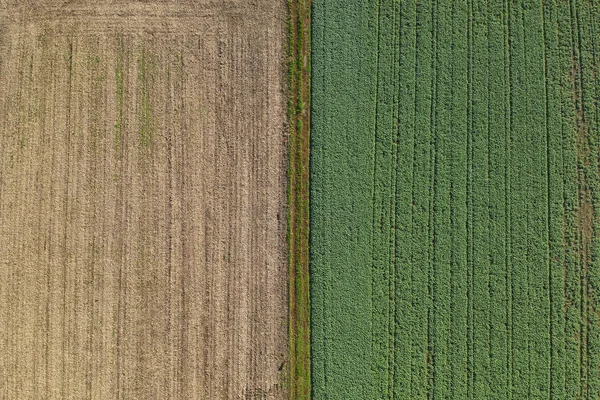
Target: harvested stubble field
{"x":142,"y":200}
{"x":455,"y":199}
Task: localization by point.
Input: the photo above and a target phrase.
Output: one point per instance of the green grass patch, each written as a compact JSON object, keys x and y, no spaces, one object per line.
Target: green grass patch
{"x":120,"y":96}
{"x":297,"y":215}
{"x":145,"y":115}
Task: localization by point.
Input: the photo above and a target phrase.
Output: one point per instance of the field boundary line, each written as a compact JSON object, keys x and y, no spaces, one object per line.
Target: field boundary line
{"x":298,"y":198}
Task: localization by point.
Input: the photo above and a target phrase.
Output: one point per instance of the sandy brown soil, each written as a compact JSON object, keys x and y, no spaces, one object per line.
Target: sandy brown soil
{"x":142,"y":200}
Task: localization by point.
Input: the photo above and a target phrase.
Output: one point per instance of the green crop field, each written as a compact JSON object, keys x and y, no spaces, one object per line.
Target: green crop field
{"x":455,"y":199}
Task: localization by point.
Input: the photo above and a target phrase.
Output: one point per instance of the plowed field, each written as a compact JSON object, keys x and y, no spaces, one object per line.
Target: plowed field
{"x":142,"y":200}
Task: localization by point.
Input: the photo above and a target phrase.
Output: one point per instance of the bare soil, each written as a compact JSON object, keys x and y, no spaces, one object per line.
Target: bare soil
{"x":142,"y":200}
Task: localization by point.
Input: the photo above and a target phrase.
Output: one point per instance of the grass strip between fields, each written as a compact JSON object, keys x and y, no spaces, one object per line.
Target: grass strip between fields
{"x":298,"y":196}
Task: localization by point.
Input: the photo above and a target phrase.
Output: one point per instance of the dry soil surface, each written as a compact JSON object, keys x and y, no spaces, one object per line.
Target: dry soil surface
{"x":142,"y":200}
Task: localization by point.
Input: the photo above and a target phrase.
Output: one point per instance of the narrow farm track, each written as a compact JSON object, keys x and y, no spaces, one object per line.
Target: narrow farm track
{"x":455,"y":212}
{"x":142,"y":200}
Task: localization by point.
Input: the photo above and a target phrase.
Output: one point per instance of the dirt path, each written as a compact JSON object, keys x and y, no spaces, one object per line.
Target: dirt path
{"x":142,"y":200}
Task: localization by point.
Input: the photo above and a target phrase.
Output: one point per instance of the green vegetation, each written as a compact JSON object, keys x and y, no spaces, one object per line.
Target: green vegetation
{"x":455,"y":200}
{"x":297,"y":215}
{"x":120,"y":96}
{"x":145,"y":123}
